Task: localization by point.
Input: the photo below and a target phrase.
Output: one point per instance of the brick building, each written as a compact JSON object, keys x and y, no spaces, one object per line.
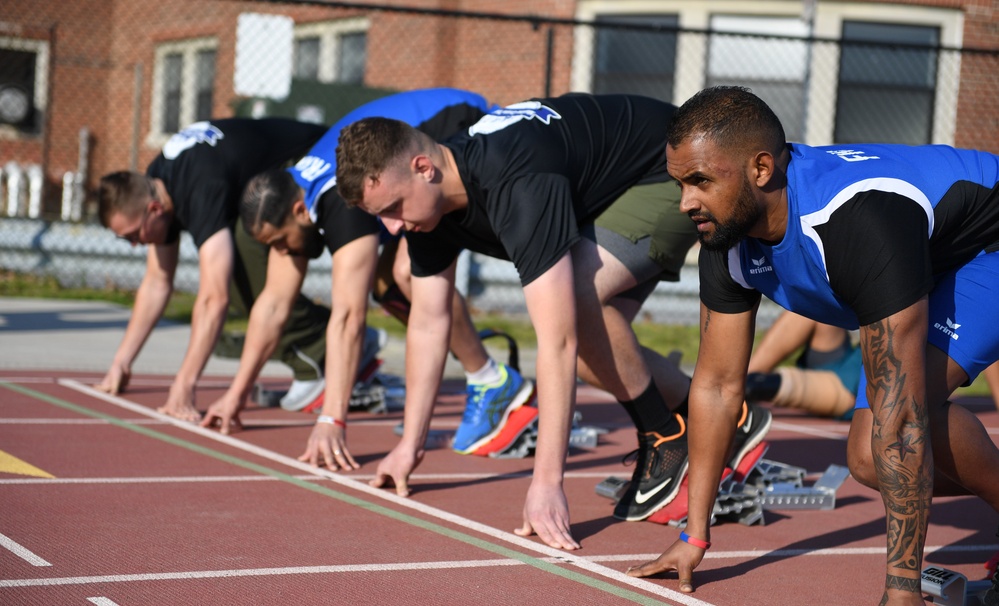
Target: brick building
{"x":98,"y":85}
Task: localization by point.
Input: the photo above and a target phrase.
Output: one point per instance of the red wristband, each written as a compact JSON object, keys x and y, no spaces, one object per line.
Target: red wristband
{"x":686,"y":538}
{"x":331,"y":421}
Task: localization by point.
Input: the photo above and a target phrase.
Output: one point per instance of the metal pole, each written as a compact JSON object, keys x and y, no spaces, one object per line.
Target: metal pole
{"x":549,"y":53}
{"x":133,"y":162}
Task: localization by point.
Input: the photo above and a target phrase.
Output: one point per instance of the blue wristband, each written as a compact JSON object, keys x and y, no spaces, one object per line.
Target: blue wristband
{"x":686,"y":538}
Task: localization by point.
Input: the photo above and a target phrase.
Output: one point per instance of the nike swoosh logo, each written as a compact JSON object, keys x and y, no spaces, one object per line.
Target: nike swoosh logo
{"x":749,"y":423}
{"x":642,"y":497}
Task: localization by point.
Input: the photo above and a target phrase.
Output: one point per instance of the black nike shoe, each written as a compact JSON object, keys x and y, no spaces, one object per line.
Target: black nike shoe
{"x":660,"y":465}
{"x":753,"y":427}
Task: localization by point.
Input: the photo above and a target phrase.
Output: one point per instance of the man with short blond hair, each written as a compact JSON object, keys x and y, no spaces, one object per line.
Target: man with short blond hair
{"x":573,"y":190}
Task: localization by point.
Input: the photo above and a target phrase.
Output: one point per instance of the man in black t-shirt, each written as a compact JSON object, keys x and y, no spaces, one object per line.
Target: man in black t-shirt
{"x":574,"y":191}
{"x":297,"y":212}
{"x":195,"y":184}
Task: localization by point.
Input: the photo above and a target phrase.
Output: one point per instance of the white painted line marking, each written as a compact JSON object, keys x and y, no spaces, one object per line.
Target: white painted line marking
{"x":254,"y":572}
{"x":150,"y":480}
{"x":72,"y":422}
{"x":102,"y":601}
{"x":27,"y":379}
{"x":408,"y":566}
{"x":348,"y":482}
{"x":244,"y":478}
{"x":304,"y":422}
{"x":21,"y":552}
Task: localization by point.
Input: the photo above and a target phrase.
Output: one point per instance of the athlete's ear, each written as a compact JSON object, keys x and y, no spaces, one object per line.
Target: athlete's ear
{"x":763,"y":167}
{"x":300,"y":212}
{"x":422,"y":165}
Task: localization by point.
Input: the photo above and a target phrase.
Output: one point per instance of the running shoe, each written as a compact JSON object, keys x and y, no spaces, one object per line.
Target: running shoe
{"x":487,"y":408}
{"x":753,"y":427}
{"x":992,"y":595}
{"x":302,"y":393}
{"x":660,"y":466}
{"x":307,"y":396}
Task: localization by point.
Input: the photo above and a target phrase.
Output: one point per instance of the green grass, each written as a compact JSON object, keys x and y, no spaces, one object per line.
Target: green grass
{"x":659,"y":337}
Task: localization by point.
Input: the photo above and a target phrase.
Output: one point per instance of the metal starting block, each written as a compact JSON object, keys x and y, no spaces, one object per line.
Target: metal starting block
{"x":382,"y":394}
{"x":745,"y":494}
{"x":782,"y":486}
{"x":950,"y":587}
{"x":524,"y":445}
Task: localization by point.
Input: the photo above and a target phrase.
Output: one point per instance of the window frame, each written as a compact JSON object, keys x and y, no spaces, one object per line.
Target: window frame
{"x":40,"y":94}
{"x":188,"y":49}
{"x":826,"y":21}
{"x":329,"y":34}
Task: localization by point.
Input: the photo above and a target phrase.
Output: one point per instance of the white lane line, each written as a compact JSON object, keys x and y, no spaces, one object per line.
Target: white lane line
{"x":27,"y":421}
{"x":784,"y":553}
{"x":255,"y":572}
{"x":244,"y":478}
{"x":27,"y":379}
{"x":101,"y":601}
{"x":304,"y":422}
{"x":509,"y":537}
{"x":151,"y":480}
{"x":409,"y":566}
{"x":21,"y":552}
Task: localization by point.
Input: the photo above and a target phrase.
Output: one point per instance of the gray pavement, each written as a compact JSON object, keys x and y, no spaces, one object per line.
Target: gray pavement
{"x":54,"y":334}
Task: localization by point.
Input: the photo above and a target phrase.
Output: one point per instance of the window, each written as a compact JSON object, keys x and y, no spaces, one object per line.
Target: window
{"x":886,"y":93}
{"x":23,"y":84}
{"x":183,"y":85}
{"x":635,"y":61}
{"x":331,"y":51}
{"x":774,"y":68}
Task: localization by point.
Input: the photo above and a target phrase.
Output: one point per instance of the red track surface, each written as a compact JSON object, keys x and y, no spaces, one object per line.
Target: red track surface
{"x":143,"y":511}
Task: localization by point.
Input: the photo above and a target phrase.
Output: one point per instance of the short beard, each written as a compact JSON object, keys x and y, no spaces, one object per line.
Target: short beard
{"x":313,"y":243}
{"x":745,"y":215}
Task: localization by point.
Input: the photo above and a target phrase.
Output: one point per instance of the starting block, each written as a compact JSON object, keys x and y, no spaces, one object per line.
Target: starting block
{"x":782,"y":486}
{"x":518,"y":439}
{"x":950,"y":587}
{"x":735,"y":500}
{"x":524,"y":444}
{"x":745,"y":493}
{"x":373,"y":392}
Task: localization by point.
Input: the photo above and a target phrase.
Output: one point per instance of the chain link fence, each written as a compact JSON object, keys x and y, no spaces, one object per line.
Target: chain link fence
{"x":92,"y":86}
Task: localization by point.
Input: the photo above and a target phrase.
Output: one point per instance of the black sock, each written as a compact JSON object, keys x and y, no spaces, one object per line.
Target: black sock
{"x":649,"y":413}
{"x":762,"y":387}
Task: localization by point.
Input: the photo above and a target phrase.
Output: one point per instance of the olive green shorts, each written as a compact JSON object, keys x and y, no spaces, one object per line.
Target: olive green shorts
{"x":649,"y":218}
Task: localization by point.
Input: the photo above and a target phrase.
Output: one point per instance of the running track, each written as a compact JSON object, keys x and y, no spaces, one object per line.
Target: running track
{"x":103,"y":501}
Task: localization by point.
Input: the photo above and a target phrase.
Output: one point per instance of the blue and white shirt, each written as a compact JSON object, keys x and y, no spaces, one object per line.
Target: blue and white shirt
{"x":869,"y":229}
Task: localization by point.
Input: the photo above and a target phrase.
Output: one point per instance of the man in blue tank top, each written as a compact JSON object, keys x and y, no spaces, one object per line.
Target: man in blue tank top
{"x":898,"y":241}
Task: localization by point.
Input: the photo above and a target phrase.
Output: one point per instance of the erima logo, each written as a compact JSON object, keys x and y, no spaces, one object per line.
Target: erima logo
{"x":950,"y":330}
{"x":312,"y":167}
{"x":199,"y":132}
{"x":762,"y":266}
{"x":851,"y":155}
{"x":506,"y":116}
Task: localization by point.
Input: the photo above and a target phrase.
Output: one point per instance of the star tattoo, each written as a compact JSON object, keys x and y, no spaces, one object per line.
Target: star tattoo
{"x":902,"y":446}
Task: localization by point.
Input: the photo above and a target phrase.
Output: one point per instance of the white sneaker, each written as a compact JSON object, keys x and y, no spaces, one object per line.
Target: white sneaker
{"x":302,"y":393}
{"x":375,"y":340}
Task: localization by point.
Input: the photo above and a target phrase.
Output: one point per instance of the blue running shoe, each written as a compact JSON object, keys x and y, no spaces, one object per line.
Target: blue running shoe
{"x":487,"y":408}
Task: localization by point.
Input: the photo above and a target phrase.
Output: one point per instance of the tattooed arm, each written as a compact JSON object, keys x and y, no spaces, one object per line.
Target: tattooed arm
{"x":894,"y":359}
